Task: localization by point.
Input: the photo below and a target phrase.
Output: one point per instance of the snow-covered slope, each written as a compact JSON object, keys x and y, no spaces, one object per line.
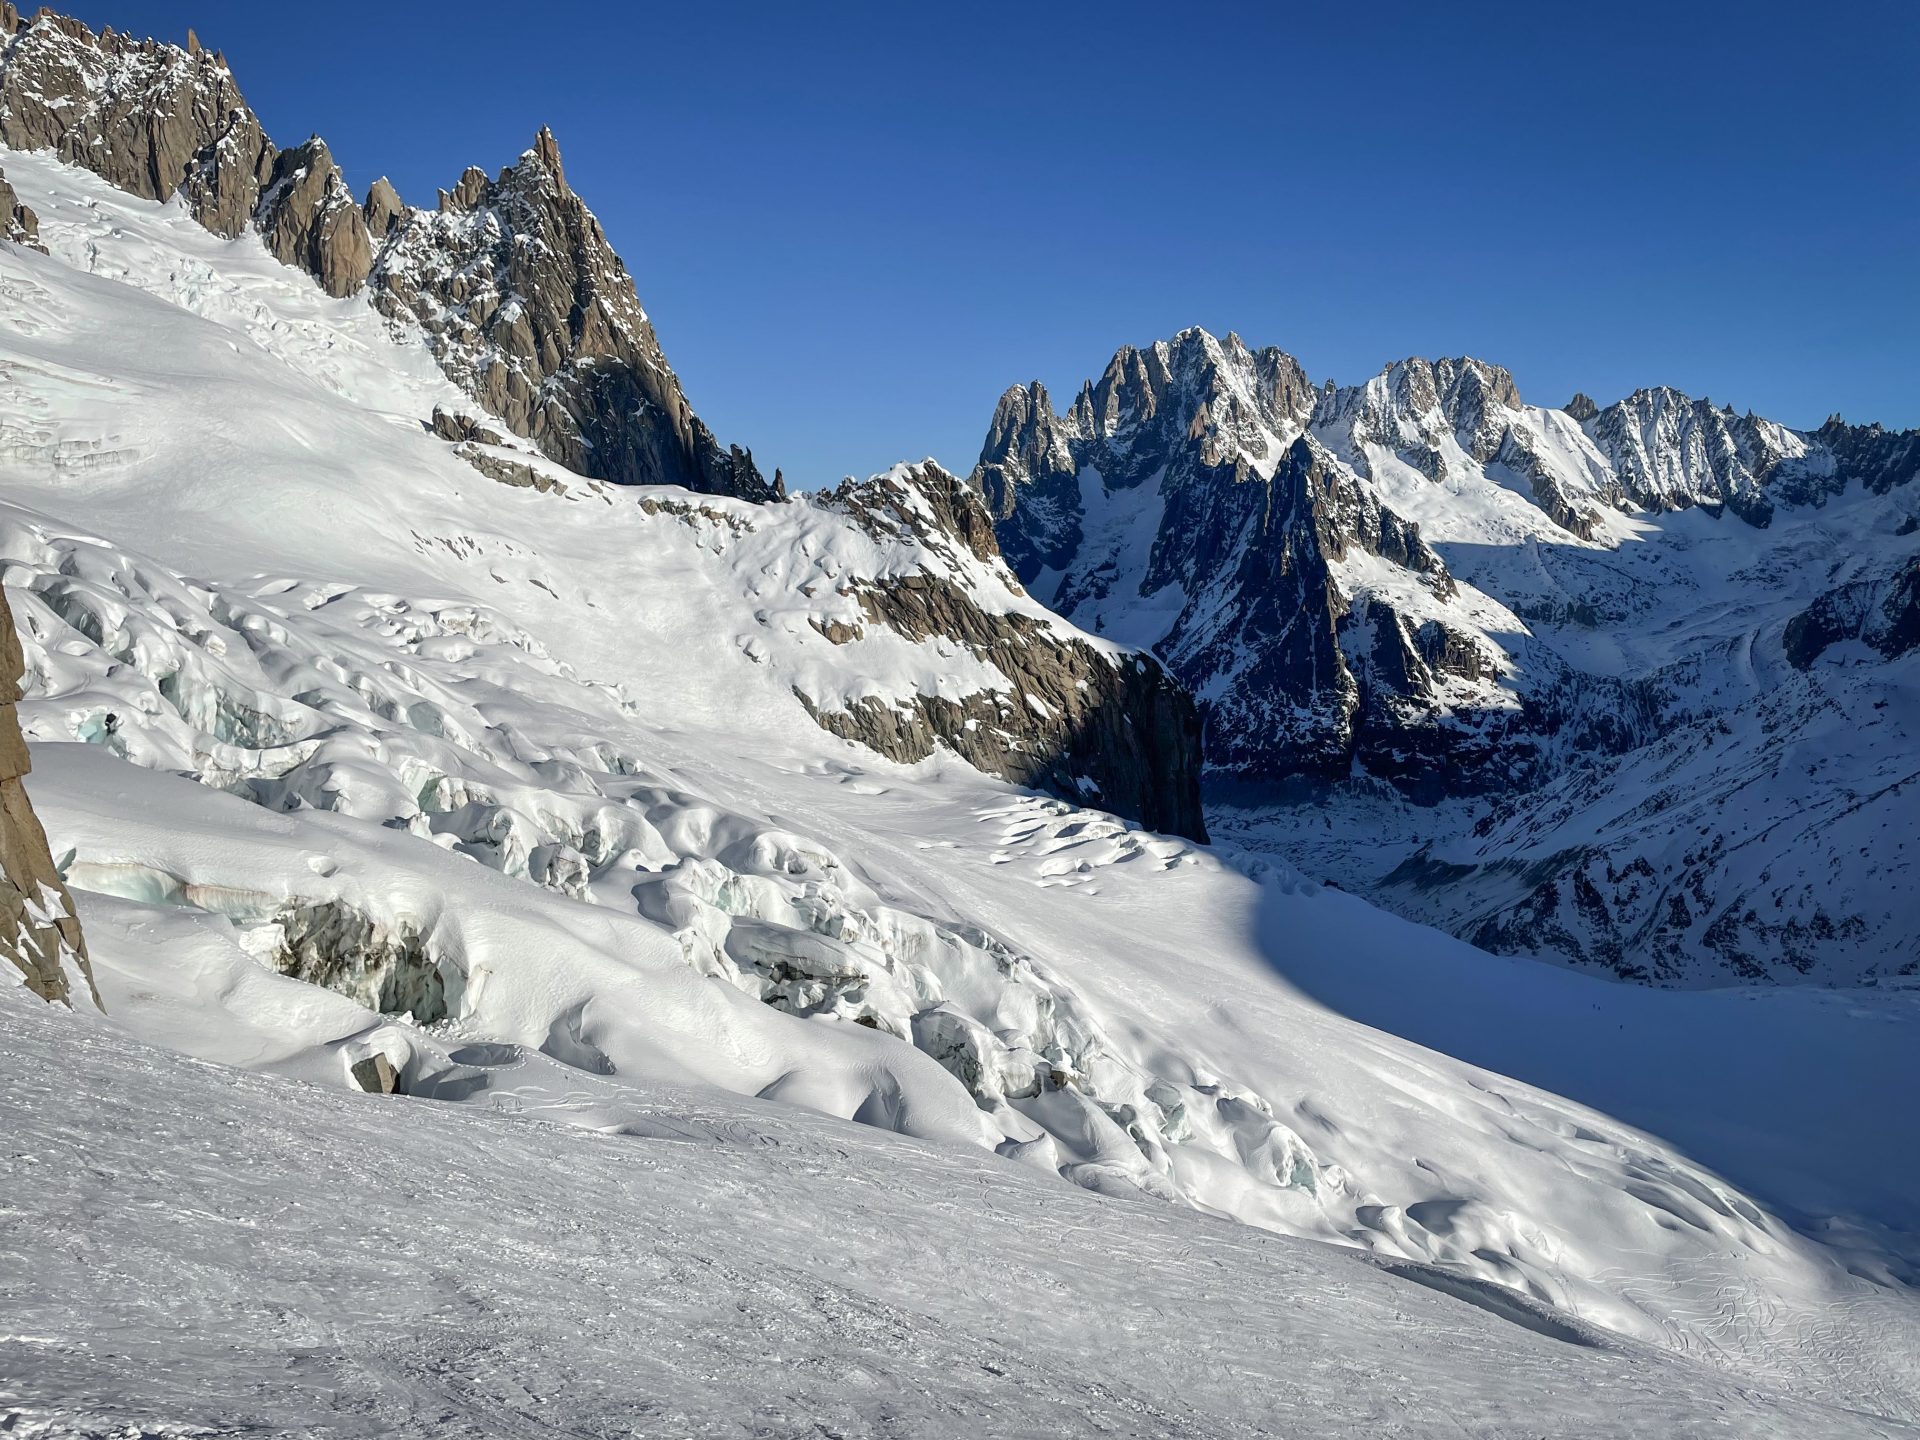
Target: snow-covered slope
{"x":694,"y":1263}
{"x":363,"y":754}
{"x":1634,"y":688}
{"x":859,"y":609}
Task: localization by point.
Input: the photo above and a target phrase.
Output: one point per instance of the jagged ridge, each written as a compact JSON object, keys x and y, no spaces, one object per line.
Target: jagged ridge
{"x":524,"y":302}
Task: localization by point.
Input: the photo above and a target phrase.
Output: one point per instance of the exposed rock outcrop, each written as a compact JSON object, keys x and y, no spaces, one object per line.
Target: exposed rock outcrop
{"x":1103,"y":727}
{"x":1435,"y":414}
{"x":1672,"y":452}
{"x":529,"y":310}
{"x":1875,"y":456}
{"x":17,"y":222}
{"x":309,"y":219}
{"x":383,"y":210}
{"x":152,"y":119}
{"x":1194,"y":462}
{"x":39,"y":930}
{"x":1883,"y":614}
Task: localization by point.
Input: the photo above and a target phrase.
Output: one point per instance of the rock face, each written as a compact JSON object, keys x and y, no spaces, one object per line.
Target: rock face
{"x":39,"y":931}
{"x":309,"y":219}
{"x":1882,"y":613}
{"x":1433,"y":415}
{"x":383,"y":210}
{"x":1185,"y":504}
{"x":1205,"y":500}
{"x":1422,"y":589}
{"x":1105,"y":728}
{"x":530,"y":311}
{"x":525,"y":304}
{"x":150,"y":118}
{"x":1672,"y":453}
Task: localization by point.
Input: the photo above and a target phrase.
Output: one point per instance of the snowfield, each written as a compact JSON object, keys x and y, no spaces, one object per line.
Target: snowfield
{"x":361,"y":753}
{"x":701,"y":1264}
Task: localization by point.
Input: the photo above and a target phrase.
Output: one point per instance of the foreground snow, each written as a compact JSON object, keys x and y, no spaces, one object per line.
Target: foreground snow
{"x":192,"y":1250}
{"x":521,"y":777}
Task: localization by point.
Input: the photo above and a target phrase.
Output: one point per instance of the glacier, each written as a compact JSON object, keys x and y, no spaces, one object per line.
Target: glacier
{"x":747,"y":1078}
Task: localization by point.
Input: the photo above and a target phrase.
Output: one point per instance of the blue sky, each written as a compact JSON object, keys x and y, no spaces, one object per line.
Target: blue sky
{"x":855,"y":225}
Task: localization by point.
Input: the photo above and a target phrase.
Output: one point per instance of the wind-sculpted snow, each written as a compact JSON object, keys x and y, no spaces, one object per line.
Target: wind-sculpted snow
{"x":679,"y":1261}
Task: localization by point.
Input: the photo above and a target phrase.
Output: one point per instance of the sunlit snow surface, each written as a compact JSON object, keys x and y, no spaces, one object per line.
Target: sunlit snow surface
{"x":539,"y":755}
{"x":208,"y":1252}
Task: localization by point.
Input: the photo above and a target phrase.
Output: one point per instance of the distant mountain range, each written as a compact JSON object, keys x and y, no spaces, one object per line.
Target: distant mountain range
{"x":1631,"y":686}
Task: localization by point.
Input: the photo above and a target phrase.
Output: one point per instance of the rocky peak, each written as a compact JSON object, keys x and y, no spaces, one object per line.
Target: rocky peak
{"x":528,"y":309}
{"x":1398,"y":409}
{"x":153,"y":119}
{"x":1581,"y":407}
{"x":309,"y":219}
{"x":1027,"y":463}
{"x":520,"y":296}
{"x":1237,"y":405}
{"x":1454,"y":413}
{"x":1875,"y":456}
{"x":383,"y":210}
{"x":1671,"y":452}
{"x":1410,"y":405}
{"x":468,"y":194}
{"x":1479,"y":400}
{"x":1204,"y":498}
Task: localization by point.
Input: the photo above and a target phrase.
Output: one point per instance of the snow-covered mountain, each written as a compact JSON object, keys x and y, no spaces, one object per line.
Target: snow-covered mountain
{"x":512,"y":288}
{"x":1632,"y":687}
{"x":701,"y":963}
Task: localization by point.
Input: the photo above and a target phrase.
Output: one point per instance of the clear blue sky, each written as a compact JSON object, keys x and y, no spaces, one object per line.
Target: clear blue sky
{"x":854,"y":226}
